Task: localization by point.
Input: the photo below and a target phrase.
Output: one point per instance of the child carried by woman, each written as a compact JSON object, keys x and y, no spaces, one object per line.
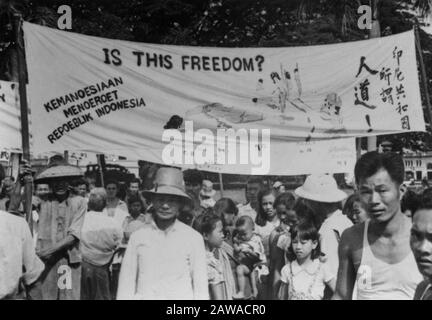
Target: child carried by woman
{"x":249,"y":251}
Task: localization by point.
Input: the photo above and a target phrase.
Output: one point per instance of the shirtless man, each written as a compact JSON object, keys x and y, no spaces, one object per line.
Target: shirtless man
{"x":376,"y":262}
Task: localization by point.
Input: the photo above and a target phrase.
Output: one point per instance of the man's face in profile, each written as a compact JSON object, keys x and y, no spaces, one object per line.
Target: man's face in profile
{"x":421,"y":240}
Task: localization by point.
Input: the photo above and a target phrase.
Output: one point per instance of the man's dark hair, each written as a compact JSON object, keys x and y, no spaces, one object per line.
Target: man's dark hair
{"x":410,"y":201}
{"x":134,"y":180}
{"x":425,"y":201}
{"x":78,"y":182}
{"x":135,"y":198}
{"x":193,"y":177}
{"x":112,"y":182}
{"x":371,"y":162}
{"x":255,"y":179}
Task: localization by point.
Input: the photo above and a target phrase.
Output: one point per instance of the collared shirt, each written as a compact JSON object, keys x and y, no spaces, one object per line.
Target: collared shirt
{"x":306,"y":282}
{"x":424,"y":291}
{"x":100,"y":237}
{"x":130,"y":225}
{"x":121,"y":205}
{"x":246,"y":210}
{"x":164,"y":265}
{"x":330,"y":232}
{"x":17,"y":250}
{"x":117,"y":213}
{"x":60,"y":219}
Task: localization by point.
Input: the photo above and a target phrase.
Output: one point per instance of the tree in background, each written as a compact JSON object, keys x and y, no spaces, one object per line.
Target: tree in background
{"x":229,"y":23}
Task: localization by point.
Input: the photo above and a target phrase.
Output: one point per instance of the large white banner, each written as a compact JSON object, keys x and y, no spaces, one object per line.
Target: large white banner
{"x":10,"y":125}
{"x":96,"y":94}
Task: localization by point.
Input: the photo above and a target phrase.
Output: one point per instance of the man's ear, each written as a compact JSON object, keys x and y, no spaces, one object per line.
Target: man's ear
{"x":402,"y":189}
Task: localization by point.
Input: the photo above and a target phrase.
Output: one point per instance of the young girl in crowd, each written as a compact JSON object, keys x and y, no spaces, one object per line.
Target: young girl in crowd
{"x":280,"y":238}
{"x":266,"y":219}
{"x":226,"y":209}
{"x":249,"y":251}
{"x":305,"y":276}
{"x":220,"y":277}
{"x":354,"y":210}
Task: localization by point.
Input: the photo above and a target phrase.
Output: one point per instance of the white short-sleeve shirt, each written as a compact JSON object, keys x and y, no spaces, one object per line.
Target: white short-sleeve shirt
{"x":308,"y":281}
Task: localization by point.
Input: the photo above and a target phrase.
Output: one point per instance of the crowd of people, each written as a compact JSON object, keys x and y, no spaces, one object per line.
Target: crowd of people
{"x":177,"y":241}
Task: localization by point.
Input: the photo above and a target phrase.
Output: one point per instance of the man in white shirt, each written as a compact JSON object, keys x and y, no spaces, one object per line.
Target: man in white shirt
{"x":323,"y":196}
{"x":166,"y":259}
{"x":18,"y":259}
{"x":100,"y":237}
{"x":17,"y":250}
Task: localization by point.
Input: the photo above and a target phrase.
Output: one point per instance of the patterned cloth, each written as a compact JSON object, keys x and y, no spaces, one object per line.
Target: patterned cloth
{"x":214,"y":269}
{"x":306,"y":283}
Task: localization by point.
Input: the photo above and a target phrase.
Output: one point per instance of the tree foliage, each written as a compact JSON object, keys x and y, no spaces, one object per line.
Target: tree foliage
{"x":229,"y":23}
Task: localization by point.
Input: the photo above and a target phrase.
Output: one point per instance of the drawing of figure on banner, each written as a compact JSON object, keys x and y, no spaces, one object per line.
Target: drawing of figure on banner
{"x":225,"y":116}
{"x":331,"y":111}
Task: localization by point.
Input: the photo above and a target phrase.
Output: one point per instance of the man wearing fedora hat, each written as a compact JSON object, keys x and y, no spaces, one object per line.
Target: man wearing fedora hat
{"x":324,"y":197}
{"x":166,"y":259}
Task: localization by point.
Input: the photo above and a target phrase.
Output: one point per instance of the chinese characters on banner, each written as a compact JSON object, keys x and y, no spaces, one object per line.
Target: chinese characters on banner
{"x":111,"y":96}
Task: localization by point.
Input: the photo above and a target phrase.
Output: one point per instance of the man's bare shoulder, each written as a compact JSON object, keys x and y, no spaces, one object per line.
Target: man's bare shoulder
{"x":353,"y":235}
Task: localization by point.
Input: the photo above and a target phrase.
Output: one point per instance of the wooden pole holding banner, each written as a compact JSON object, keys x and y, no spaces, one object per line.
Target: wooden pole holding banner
{"x":221,"y":185}
{"x":423,"y":72}
{"x":375,"y":32}
{"x":25,"y":134}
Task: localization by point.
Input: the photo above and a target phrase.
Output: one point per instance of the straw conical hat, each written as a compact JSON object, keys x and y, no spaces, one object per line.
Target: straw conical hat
{"x":59,"y":171}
